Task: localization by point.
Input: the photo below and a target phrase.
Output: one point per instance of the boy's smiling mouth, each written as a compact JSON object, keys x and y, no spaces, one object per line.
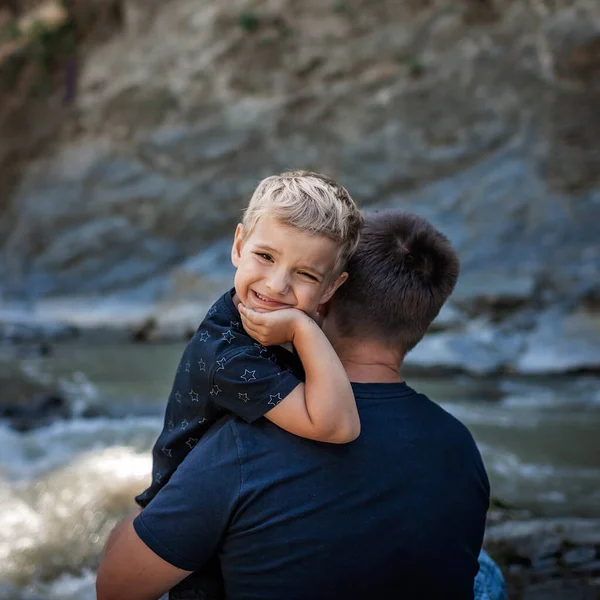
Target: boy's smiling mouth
{"x":265,"y":301}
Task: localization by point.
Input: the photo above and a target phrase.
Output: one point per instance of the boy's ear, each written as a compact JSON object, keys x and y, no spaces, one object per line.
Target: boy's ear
{"x":238,"y":242}
{"x":323,"y":309}
{"x":333,"y":286}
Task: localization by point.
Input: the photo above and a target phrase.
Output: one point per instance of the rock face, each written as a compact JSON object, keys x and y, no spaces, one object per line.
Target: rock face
{"x":547,"y":558}
{"x":26,"y":403}
{"x":483,"y":117}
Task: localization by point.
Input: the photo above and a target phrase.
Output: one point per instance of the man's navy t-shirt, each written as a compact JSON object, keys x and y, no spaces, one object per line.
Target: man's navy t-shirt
{"x":222,"y":370}
{"x":398,"y":513}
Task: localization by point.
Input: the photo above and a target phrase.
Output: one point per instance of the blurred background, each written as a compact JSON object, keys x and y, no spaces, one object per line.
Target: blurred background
{"x":132,"y":133}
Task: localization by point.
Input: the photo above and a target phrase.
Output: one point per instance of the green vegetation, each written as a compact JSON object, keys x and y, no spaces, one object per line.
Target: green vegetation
{"x":10,"y":32}
{"x":32,"y":57}
{"x":249,"y":20}
{"x":415,"y":66}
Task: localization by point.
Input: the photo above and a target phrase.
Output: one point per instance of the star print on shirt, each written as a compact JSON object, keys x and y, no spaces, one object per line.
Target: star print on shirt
{"x":192,"y":442}
{"x":274,"y":400}
{"x":202,"y":421}
{"x":204,"y":335}
{"x":234,"y":323}
{"x":221,"y":364}
{"x":177,"y":396}
{"x":194,"y":396}
{"x":184,"y":424}
{"x":167,"y":451}
{"x":211,"y":311}
{"x":171,"y":425}
{"x":248,"y":375}
{"x":187,"y":366}
{"x":228,"y":336}
{"x":215,"y":390}
{"x":243,"y":397}
{"x":260,"y":347}
{"x":202,"y":364}
{"x":158,"y":477}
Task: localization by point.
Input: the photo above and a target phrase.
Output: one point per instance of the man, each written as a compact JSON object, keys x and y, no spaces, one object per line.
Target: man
{"x":400,"y":512}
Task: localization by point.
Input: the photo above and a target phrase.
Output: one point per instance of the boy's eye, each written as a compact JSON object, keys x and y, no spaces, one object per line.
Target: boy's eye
{"x":263,"y":255}
{"x":312,"y":277}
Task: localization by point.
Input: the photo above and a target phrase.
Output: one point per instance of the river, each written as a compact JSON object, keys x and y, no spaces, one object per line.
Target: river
{"x":65,"y":485}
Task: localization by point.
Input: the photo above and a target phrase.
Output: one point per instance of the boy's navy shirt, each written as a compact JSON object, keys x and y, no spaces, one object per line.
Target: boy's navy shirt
{"x":398,"y":513}
{"x":222,"y":370}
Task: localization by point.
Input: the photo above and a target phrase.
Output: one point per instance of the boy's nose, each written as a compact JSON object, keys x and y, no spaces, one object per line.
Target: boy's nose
{"x":278,"y":282}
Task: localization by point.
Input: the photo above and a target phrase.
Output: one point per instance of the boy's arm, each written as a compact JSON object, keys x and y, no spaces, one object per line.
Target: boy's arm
{"x":323,"y":408}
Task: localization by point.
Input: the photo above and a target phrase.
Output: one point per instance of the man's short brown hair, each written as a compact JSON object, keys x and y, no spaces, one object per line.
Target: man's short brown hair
{"x":401,"y":274}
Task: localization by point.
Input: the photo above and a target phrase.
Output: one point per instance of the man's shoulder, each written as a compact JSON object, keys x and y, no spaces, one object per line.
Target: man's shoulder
{"x":431,"y":414}
{"x":221,"y":443}
{"x":453,"y":427}
{"x":455,"y":437}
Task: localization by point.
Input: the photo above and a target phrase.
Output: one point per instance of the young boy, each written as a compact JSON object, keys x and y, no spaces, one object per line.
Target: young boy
{"x":290,"y":252}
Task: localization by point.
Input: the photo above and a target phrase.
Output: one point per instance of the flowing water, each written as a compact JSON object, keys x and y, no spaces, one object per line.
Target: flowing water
{"x":64,"y":486}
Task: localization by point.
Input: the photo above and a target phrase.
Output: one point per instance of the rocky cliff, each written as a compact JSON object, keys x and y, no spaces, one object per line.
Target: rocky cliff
{"x":481,"y":115}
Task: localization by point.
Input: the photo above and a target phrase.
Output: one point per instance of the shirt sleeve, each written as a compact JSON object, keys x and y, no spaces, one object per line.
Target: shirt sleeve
{"x":187,"y":520}
{"x":248,"y":384}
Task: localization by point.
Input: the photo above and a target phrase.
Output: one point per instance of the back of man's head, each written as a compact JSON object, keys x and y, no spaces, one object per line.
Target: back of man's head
{"x":399,"y":277}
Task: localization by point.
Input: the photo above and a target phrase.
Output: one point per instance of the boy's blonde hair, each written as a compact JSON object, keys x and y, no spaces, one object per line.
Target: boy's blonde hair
{"x":308,"y":202}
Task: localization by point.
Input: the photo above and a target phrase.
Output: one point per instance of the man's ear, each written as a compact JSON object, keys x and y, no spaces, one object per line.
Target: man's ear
{"x":236,"y":248}
{"x":333,"y":286}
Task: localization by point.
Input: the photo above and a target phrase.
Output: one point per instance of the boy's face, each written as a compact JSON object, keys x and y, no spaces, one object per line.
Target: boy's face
{"x":281,"y":267}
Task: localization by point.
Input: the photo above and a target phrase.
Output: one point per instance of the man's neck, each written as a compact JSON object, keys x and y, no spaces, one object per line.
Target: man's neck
{"x":369,"y":362}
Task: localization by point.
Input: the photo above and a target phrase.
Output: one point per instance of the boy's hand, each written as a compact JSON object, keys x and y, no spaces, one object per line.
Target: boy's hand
{"x":273,"y":327}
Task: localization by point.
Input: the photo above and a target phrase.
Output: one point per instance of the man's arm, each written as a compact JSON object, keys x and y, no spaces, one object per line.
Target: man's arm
{"x":323,"y":408}
{"x":181,"y":529}
{"x":129,"y":569}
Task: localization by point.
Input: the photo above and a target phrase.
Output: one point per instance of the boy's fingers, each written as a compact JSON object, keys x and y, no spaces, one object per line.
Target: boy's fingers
{"x":249,"y":327}
{"x":254,"y":334}
{"x":244,"y":310}
{"x":254,"y":317}
{"x":246,"y":321}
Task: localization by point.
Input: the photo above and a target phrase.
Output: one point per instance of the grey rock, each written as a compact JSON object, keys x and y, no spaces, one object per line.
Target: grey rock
{"x":562,"y":343}
{"x":536,"y":539}
{"x":454,"y":351}
{"x":182,"y":150}
{"x":495,"y":288}
{"x":450,"y":317}
{"x":588,"y":569}
{"x":490,"y":131}
{"x":28,"y":401}
{"x":570,"y":46}
{"x":578,"y":556}
{"x":547,"y":566}
{"x":560,"y":590}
